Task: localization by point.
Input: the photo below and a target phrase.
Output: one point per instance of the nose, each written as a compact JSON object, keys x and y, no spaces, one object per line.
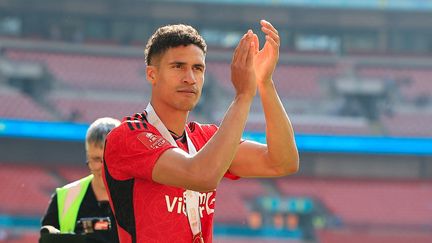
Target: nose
{"x":189,"y":76}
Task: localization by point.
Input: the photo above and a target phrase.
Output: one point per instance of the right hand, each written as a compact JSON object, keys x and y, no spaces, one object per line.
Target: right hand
{"x":242,"y":67}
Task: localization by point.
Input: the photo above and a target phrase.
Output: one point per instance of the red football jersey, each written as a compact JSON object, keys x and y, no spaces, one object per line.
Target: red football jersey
{"x":147,"y":211}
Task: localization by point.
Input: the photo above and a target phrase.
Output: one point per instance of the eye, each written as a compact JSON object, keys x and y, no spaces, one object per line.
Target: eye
{"x":199,"y":68}
{"x":177,"y":66}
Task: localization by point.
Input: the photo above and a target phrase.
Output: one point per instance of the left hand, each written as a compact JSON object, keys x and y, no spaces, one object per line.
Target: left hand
{"x":266,"y":59}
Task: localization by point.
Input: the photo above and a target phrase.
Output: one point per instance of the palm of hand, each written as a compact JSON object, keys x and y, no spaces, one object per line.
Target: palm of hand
{"x":265,"y":62}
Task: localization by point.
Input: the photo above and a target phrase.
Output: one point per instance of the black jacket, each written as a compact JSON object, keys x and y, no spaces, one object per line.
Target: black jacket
{"x":90,"y":207}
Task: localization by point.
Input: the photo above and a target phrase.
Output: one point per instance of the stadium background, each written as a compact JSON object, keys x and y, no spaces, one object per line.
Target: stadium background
{"x":355,"y":77}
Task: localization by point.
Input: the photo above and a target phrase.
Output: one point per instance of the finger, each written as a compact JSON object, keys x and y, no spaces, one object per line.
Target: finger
{"x":236,"y":51}
{"x":251,"y":52}
{"x":238,"y":48}
{"x":272,"y":42}
{"x":240,"y":52}
{"x":255,"y":40}
{"x":268,"y":25}
{"x":271,"y":33}
{"x":245,"y":47}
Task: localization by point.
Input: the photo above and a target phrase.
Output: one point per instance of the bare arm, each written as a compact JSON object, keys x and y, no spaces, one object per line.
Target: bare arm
{"x":204,"y":170}
{"x":279,"y":156}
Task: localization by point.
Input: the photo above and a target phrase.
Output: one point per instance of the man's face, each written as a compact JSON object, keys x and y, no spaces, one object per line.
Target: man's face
{"x":177,"y":77}
{"x":95,"y":158}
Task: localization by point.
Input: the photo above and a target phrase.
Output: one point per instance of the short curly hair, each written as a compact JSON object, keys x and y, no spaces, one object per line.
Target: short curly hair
{"x":172,"y":36}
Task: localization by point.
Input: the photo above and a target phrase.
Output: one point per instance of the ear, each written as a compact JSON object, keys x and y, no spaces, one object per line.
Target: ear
{"x":151,"y":74}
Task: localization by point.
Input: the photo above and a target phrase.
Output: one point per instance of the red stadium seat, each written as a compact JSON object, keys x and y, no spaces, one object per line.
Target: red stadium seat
{"x":19,"y":106}
{"x":292,"y":81}
{"x":232,"y":198}
{"x":88,"y":110}
{"x":373,"y":236}
{"x":89,"y":71}
{"x":373,"y":202}
{"x":419,"y":79}
{"x":73,"y":173}
{"x":28,"y":189}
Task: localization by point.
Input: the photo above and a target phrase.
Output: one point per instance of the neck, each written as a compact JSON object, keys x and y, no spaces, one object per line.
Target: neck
{"x":99,"y":189}
{"x":173,"y":119}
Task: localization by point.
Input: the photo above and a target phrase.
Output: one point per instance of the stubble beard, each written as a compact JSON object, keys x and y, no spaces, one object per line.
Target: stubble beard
{"x":185,"y":106}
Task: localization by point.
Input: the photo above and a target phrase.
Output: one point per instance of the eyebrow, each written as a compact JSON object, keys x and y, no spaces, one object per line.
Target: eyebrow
{"x":177,"y":62}
{"x":184,"y":63}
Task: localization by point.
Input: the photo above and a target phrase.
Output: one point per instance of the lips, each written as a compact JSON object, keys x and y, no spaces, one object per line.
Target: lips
{"x":188,"y":90}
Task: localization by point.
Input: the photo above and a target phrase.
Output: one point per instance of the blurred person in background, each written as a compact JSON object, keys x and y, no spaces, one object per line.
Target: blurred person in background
{"x":86,"y":197}
{"x":162,"y":172}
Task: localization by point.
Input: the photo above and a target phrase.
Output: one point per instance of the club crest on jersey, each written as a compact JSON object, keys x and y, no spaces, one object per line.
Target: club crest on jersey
{"x":151,"y":141}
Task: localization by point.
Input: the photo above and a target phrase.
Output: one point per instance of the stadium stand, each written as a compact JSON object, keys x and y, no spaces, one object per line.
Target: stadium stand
{"x":26,"y":195}
{"x":293,"y":81}
{"x":414,"y":82}
{"x":335,"y":129}
{"x":409,"y":123}
{"x":21,"y":236}
{"x":88,"y":109}
{"x":252,"y":240}
{"x":17,"y":105}
{"x":232,"y":196}
{"x":372,"y":236}
{"x":88,"y":86}
{"x":326,"y":125}
{"x":371,"y":202}
{"x":89,"y":71}
{"x":72,"y":173}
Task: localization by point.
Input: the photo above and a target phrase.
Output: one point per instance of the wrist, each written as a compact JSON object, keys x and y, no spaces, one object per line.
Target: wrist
{"x":265,"y":85}
{"x":244,"y":98}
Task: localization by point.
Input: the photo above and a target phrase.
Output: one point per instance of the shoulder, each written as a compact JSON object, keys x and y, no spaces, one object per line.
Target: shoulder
{"x":130,"y":126}
{"x":205,"y":130}
{"x":134,"y":134}
{"x":136,"y":122}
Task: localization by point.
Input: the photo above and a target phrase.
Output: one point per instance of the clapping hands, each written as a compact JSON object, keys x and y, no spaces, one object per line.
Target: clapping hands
{"x":250,"y":65}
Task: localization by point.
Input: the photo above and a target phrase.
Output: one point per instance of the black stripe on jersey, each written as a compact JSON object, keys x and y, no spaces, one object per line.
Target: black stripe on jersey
{"x":144,"y":118}
{"x":141,"y":117}
{"x":129,"y":123}
{"x":137,"y":118}
{"x":137,"y":121}
{"x":191,"y":126}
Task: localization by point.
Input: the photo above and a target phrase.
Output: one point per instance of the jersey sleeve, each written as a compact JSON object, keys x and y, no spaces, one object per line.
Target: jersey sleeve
{"x":133,"y":153}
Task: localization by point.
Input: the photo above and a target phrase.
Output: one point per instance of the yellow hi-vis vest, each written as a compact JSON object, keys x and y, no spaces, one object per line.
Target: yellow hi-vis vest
{"x":69,"y":200}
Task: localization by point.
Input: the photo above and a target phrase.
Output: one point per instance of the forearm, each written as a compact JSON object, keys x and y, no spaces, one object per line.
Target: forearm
{"x":216,"y":156}
{"x":282,"y":151}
